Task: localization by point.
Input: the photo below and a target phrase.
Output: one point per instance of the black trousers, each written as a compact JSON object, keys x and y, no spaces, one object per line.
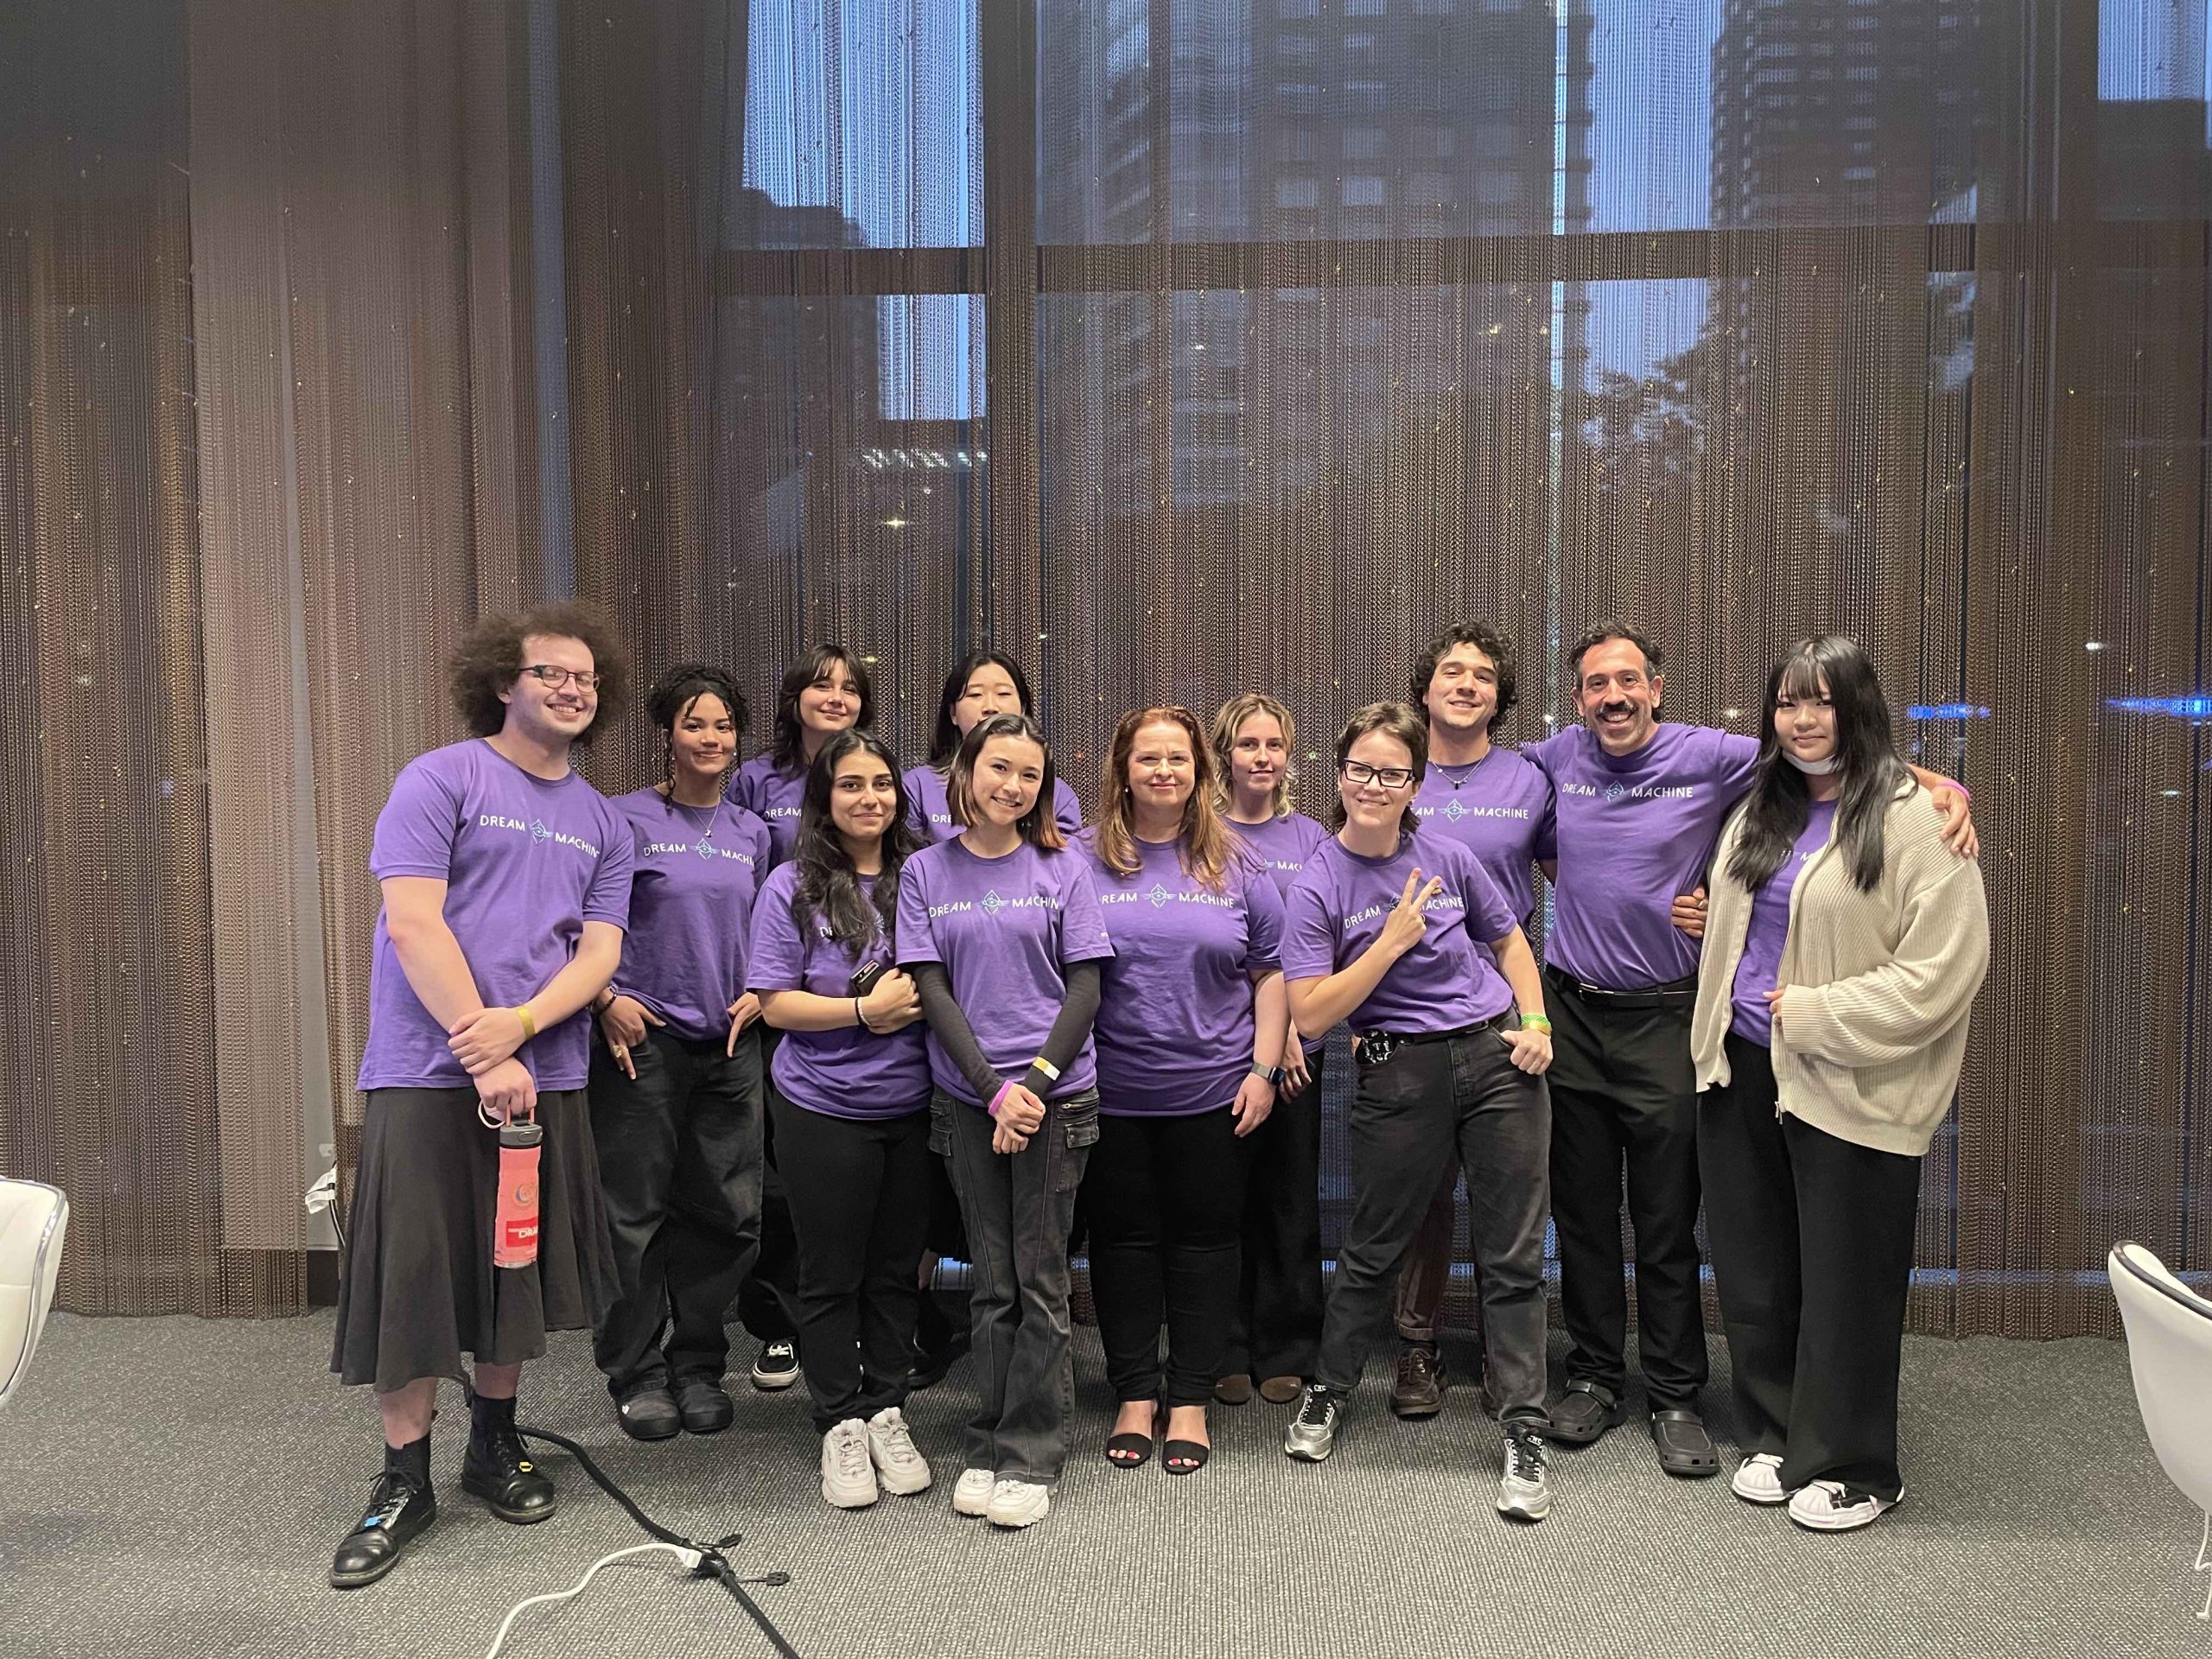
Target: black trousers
{"x":1812,"y":1249}
{"x":1166,"y":1197}
{"x":1410,"y":1114}
{"x":1624,"y":1094}
{"x":1274,"y":1329}
{"x":767,"y":1303}
{"x":679,"y":1160}
{"x":859,"y":1191}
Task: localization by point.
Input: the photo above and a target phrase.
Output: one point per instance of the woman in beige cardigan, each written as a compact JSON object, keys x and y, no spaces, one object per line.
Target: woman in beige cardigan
{"x":1844,"y":949}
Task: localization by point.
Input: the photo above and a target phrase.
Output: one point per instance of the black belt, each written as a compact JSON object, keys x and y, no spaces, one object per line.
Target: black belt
{"x":1373,"y":1047}
{"x":1673,"y":994}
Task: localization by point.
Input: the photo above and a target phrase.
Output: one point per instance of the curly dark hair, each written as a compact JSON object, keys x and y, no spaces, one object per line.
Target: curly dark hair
{"x":1653,"y":662}
{"x":673,"y":694}
{"x":1492,"y":644}
{"x":489,"y":661}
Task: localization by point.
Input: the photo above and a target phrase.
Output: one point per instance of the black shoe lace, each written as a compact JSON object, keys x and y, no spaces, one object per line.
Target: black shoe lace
{"x":1318,"y":1406}
{"x":390,"y":1496}
{"x":1525,"y":1458}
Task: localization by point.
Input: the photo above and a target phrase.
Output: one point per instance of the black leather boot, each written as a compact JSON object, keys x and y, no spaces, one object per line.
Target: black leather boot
{"x":498,"y":1470}
{"x":400,"y":1506}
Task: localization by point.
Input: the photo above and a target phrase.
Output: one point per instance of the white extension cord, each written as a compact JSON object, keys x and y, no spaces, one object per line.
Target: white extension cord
{"x":690,"y":1557}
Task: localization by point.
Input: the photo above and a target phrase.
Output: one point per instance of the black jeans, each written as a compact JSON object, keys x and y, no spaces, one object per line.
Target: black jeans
{"x":1018,"y":1208}
{"x":1624,"y":1093}
{"x":767,"y":1303}
{"x":1166,"y":1197}
{"x":1408,"y":1117}
{"x":1275,"y":1327}
{"x":679,"y":1160}
{"x":1812,"y":1249}
{"x":859,"y":1190}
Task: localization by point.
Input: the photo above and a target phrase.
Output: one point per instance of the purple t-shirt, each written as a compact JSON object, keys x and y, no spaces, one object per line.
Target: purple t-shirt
{"x":526,"y":863}
{"x":1760,"y":968}
{"x":771,"y":797}
{"x":1633,"y":833}
{"x":1336,"y":909}
{"x":1501,"y":807}
{"x":1175,"y":1024}
{"x":691,"y":908}
{"x":851,"y":1072}
{"x":932,"y":813}
{"x":1005,"y":929}
{"x":1282,"y":846}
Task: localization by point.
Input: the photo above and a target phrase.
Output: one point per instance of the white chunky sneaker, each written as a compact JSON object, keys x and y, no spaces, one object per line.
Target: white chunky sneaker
{"x":971,"y":1493}
{"x":1757,"y":1479}
{"x":899,"y":1466}
{"x":1018,"y":1503}
{"x":1524,"y":1487}
{"x":1830,"y":1506}
{"x":847,"y":1477}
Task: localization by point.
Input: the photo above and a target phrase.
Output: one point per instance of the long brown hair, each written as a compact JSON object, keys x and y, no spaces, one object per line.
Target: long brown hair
{"x":1233,"y":714}
{"x":1202,"y":844}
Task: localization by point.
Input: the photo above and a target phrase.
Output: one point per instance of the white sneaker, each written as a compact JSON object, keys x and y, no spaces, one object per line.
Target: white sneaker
{"x":1830,"y":1506}
{"x":848,"y":1476}
{"x":1524,"y":1488}
{"x":971,"y":1493}
{"x":1019,"y":1504}
{"x":1757,"y":1479}
{"x":899,"y":1466}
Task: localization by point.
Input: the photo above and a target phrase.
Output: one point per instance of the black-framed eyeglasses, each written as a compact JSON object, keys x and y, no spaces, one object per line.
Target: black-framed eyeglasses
{"x":1359,"y":772}
{"x":553,"y":678}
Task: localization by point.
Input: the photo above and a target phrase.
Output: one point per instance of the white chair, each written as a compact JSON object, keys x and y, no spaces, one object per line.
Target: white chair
{"x":33,"y":1219}
{"x":2169,"y":1349}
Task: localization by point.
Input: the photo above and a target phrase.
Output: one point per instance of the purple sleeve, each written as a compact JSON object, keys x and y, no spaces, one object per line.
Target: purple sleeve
{"x":1486,"y":905}
{"x":1736,"y":758}
{"x":1547,"y":751}
{"x":776,"y":957}
{"x":1309,"y":944}
{"x":1082,"y":923}
{"x":915,"y":943}
{"x":415,"y":832}
{"x":608,"y":898}
{"x":1544,"y":846}
{"x":1067,"y":810}
{"x":1263,"y":925}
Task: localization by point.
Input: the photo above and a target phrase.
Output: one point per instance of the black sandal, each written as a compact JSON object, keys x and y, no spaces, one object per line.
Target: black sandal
{"x":1129,"y":1450}
{"x":1184,"y":1457}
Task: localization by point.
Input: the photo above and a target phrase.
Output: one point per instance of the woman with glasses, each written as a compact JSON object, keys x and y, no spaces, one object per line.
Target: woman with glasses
{"x":1384,"y":928}
{"x":1001,"y":930}
{"x":1190,"y":1024}
{"x":1276,"y":1325}
{"x":675,"y":1082}
{"x":1845,"y":946}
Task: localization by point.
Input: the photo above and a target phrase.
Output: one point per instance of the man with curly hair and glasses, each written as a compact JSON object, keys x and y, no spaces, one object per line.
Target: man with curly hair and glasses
{"x":506,"y":889}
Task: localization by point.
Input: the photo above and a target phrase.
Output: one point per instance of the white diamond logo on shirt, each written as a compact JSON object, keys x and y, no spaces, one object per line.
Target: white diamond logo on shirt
{"x":704,"y":848}
{"x":1158,"y":895}
{"x":992,"y":903}
{"x":1457,"y":809}
{"x":1614,"y":792}
{"x":538,"y":831}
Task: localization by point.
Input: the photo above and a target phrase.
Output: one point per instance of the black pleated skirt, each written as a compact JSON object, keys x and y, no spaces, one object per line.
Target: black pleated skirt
{"x":419,"y":1289}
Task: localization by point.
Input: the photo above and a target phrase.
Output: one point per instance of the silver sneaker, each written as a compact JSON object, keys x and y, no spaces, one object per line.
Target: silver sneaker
{"x":1524,"y":1487}
{"x":899,"y":1467}
{"x":1313,"y":1432}
{"x":847,"y":1477}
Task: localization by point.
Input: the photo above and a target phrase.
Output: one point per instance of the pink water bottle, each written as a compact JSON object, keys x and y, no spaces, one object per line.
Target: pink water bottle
{"x":514,"y":1219}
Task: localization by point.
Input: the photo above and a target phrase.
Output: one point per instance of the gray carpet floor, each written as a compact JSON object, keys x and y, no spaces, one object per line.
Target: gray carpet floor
{"x":175,"y":1486}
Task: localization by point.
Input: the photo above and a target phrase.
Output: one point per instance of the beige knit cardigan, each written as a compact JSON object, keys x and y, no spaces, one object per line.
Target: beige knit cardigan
{"x":1871,"y":1029}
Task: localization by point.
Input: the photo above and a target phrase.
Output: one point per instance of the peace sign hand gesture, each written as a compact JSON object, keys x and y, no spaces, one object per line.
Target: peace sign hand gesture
{"x":1406,"y":924}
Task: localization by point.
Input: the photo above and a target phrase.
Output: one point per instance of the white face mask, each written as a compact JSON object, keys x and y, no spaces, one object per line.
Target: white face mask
{"x":1811,"y":768}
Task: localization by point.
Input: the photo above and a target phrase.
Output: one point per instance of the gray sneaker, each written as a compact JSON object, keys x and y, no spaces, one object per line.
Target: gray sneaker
{"x":1524,"y":1488}
{"x":1313,"y":1434}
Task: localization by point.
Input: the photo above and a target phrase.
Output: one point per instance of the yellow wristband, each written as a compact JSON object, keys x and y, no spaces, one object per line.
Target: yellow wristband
{"x":528,"y":1025}
{"x":1046,"y":1067}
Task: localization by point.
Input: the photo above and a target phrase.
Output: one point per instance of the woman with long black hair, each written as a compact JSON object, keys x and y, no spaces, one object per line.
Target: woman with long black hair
{"x":849,"y":1092}
{"x":983,"y":683}
{"x":1843,"y":951}
{"x":1002,"y":932}
{"x":676,"y":1081}
{"x":826,"y":691}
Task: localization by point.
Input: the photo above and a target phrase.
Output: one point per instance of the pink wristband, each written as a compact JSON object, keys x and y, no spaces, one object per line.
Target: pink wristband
{"x":998,"y":1099}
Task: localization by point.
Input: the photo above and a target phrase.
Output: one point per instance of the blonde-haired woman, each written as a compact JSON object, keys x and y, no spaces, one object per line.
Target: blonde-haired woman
{"x":1276,"y":1326}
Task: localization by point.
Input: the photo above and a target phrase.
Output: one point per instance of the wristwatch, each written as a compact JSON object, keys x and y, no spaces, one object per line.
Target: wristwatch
{"x":1271,"y":1075}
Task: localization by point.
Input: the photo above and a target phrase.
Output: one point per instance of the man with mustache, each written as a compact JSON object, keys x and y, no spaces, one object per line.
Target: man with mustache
{"x":1638,"y":805}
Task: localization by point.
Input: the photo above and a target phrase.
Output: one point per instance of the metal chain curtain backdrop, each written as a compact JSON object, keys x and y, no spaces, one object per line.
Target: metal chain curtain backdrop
{"x":1181,"y":346}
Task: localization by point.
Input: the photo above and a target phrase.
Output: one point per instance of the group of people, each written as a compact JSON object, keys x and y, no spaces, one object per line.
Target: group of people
{"x":793,"y":1028}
